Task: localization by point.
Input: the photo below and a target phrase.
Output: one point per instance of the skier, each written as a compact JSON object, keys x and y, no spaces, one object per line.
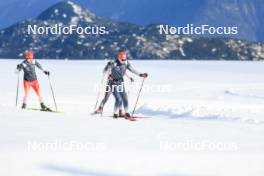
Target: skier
{"x":30,"y":79}
{"x":117,"y":71}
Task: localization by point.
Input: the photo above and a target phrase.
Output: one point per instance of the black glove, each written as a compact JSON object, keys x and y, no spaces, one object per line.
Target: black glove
{"x":19,"y":67}
{"x":144,"y":75}
{"x":109,"y":63}
{"x":47,"y":73}
{"x":131,"y":79}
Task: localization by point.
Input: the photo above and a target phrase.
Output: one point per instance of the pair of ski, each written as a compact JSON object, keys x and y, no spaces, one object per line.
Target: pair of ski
{"x":42,"y":110}
{"x":132,"y":118}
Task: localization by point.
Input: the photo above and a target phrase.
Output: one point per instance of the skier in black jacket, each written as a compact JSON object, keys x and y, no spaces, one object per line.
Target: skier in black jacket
{"x":30,"y":78}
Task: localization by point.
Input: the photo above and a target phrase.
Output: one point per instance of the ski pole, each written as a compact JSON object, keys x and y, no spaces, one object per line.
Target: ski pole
{"x":99,"y":93}
{"x":18,"y":80}
{"x":53,"y":94}
{"x":138,"y":96}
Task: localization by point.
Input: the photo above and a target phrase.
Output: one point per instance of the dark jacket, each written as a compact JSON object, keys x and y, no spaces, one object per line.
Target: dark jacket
{"x":29,"y":69}
{"x":118,"y":70}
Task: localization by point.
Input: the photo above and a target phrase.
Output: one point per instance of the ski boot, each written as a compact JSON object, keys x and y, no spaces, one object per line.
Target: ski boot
{"x":129,"y":117}
{"x":44,"y":107}
{"x":115,"y":116}
{"x":98,"y":111}
{"x":24,"y":106}
{"x":121,"y":113}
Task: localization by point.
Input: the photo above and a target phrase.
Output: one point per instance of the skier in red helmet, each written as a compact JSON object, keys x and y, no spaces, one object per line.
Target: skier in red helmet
{"x":117,"y":70}
{"x":30,"y":78}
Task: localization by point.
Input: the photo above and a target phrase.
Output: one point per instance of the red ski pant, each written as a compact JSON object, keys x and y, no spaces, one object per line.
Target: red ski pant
{"x":34,"y":85}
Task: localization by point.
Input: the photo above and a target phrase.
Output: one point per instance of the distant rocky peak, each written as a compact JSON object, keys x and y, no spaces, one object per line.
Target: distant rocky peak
{"x":67,"y":12}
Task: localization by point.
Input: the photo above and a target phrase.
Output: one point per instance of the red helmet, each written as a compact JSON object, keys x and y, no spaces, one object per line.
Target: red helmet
{"x":29,"y":55}
{"x":122,"y":55}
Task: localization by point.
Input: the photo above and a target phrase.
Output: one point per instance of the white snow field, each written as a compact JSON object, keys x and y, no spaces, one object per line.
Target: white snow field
{"x":207,"y":119}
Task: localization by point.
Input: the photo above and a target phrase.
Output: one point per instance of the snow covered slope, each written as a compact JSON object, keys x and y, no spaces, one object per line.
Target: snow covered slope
{"x":206,"y":118}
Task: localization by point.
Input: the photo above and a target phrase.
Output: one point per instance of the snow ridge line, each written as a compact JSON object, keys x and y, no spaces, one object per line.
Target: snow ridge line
{"x":192,"y":113}
{"x":228,"y":92}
